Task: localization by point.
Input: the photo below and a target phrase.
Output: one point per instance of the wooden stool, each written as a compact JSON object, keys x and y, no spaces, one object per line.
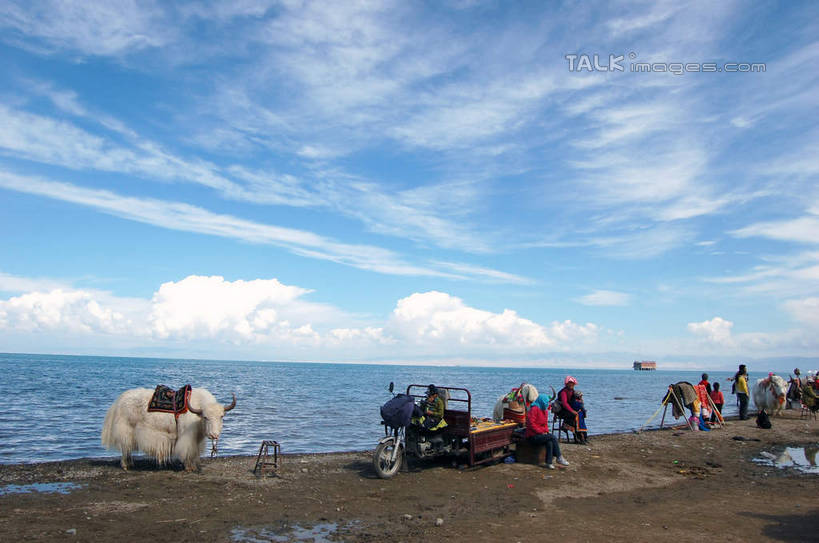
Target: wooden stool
{"x":527,"y":453}
{"x":263,"y":461}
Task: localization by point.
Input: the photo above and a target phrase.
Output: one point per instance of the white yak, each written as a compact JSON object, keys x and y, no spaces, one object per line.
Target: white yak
{"x":769,"y":394}
{"x":130,"y":427}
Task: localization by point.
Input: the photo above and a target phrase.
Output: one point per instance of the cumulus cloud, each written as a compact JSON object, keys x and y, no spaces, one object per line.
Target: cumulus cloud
{"x":239,"y":311}
{"x":205,"y":311}
{"x":716,"y":330}
{"x":65,"y":311}
{"x":441,"y":318}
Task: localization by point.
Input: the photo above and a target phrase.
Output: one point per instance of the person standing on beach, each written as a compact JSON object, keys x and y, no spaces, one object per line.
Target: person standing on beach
{"x":719,"y":401}
{"x":741,"y":388}
{"x":705,"y":383}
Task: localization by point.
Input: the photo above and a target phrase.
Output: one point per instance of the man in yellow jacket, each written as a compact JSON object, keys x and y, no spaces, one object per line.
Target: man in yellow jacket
{"x":741,"y":390}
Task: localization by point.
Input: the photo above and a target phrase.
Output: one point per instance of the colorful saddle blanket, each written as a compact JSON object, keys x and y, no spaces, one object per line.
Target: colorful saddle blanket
{"x":168,"y":400}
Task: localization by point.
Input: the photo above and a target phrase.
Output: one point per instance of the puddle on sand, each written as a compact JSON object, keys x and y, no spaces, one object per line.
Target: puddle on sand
{"x":45,"y":488}
{"x":320,"y":533}
{"x":802,"y":459}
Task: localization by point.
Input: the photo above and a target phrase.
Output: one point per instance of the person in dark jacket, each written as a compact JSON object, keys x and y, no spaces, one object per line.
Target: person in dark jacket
{"x":570,"y":415}
{"x":433,"y":408}
{"x":705,"y":383}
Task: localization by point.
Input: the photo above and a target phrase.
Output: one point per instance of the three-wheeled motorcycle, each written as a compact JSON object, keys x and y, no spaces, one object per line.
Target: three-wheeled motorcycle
{"x":476,"y":441}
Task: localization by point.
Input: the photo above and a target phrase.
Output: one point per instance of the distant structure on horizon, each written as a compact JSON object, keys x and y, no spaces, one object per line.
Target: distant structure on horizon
{"x":645,"y":365}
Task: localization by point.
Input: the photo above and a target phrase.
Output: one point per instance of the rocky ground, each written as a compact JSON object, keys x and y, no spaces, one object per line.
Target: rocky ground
{"x":670,"y":485}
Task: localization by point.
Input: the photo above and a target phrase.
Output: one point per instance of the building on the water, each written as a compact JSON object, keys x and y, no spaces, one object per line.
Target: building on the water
{"x":645,"y":365}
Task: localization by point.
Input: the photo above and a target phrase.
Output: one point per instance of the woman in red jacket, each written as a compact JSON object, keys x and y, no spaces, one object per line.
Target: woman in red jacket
{"x":537,"y":431}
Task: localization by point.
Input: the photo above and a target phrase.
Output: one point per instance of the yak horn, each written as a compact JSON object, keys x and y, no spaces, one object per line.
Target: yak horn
{"x":232,"y":404}
{"x":554,"y":394}
{"x":194,"y":411}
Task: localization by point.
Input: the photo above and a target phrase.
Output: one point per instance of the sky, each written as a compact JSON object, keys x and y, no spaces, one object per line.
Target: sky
{"x":481,"y":183}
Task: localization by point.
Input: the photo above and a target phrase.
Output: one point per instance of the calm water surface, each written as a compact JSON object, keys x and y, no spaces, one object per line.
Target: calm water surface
{"x":54,"y":405}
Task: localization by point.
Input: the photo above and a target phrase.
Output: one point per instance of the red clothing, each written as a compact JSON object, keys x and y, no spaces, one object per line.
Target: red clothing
{"x":537,"y":421}
{"x":565,"y":397}
{"x":717,"y":397}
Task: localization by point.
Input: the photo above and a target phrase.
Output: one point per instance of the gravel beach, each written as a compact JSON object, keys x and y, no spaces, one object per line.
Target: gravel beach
{"x":670,"y":485}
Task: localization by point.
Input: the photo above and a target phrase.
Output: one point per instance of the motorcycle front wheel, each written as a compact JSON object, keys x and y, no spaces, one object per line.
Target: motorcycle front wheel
{"x":383,"y":464}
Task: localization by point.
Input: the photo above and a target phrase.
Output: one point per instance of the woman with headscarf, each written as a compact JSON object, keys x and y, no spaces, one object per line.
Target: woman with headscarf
{"x":537,"y":431}
{"x":571,"y":416}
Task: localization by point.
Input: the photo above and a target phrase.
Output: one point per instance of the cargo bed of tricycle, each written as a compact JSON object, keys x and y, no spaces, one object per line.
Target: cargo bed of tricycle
{"x":483,"y":440}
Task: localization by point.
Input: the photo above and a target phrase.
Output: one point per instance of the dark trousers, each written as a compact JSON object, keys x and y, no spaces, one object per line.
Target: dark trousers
{"x":743,"y":405}
{"x":714,"y":414}
{"x":551,"y":444}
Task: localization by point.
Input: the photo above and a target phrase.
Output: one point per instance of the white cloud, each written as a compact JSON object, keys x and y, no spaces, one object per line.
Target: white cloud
{"x":242,"y":311}
{"x":442,"y":319}
{"x":605,"y":297}
{"x":801,"y":230}
{"x":190,"y":218}
{"x":716,"y":330}
{"x":641,"y":19}
{"x":93,"y":28}
{"x":805,"y":310}
{"x":13,"y":283}
{"x":62,"y":311}
{"x":200,"y":311}
{"x":644,"y":243}
{"x":487,"y":273}
{"x":52,"y":141}
{"x":782,"y":276}
{"x":424,"y":213}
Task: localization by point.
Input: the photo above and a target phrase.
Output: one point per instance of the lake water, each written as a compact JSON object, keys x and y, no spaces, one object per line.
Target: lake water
{"x":54,"y":406}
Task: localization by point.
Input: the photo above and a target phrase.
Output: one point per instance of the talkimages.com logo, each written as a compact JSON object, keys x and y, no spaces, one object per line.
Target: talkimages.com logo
{"x":618,"y":63}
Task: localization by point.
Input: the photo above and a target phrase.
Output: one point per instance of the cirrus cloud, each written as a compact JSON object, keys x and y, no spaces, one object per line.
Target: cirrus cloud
{"x":605,"y":297}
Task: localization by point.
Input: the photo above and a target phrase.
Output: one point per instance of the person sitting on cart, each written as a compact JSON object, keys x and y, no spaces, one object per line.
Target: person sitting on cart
{"x":433,"y":410}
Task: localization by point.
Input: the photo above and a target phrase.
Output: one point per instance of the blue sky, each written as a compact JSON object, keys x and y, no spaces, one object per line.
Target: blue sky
{"x":410,"y":182}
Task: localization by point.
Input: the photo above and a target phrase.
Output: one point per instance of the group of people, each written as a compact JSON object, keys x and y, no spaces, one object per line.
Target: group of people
{"x":799,"y":388}
{"x":569,"y":408}
{"x":717,"y":398}
{"x":804,"y":390}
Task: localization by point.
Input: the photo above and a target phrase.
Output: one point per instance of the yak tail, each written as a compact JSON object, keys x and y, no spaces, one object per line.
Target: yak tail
{"x":108,"y":437}
{"x":116,"y":432}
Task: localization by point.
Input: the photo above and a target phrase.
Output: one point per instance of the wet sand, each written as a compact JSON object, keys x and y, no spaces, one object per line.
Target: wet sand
{"x":670,"y":485}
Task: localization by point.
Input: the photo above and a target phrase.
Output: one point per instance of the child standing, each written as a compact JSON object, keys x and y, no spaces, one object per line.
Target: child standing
{"x":719,"y":401}
{"x":581,"y":435}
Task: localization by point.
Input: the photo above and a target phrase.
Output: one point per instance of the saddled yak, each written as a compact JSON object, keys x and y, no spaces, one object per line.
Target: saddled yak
{"x":130,"y":427}
{"x":769,"y":394}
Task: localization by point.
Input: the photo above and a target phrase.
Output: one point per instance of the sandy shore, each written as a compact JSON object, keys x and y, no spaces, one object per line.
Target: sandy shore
{"x":667,"y":485}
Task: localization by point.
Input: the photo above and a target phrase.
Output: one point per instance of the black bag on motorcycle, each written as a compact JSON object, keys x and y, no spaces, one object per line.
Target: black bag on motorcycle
{"x":398,"y":411}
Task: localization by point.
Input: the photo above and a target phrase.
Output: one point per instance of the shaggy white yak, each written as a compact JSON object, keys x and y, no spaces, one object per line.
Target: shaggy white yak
{"x":130,"y":427}
{"x":529,"y":393}
{"x":769,"y":394}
